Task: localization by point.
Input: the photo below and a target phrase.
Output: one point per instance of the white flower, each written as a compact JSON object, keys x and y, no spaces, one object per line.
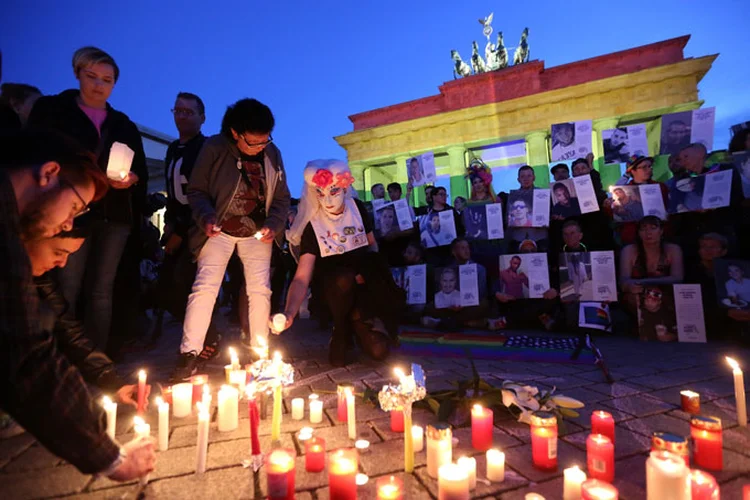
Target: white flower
{"x":508,"y":398}
{"x":525,"y":417}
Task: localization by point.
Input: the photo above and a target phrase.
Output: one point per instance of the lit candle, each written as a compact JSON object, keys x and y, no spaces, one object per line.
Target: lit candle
{"x":276,"y":416}
{"x":600,"y":457}
{"x":258,"y":235}
{"x":439,"y":448}
{"x":574,"y":477}
{"x":362,"y":479}
{"x":342,"y":475}
{"x":182,"y":396}
{"x":316,"y":409}
{"x":469,"y":465}
{"x":141,"y":392}
{"x":229,"y":401}
{"x":481,"y":428}
{"x":739,"y":392}
{"x":707,"y":442}
{"x":254,"y":418}
{"x":397,"y":420}
{"x":298,"y":409}
{"x":141,"y":430}
{"x":544,"y":440}
{"x":667,"y":477}
{"x":120,"y":161}
{"x":315,"y":454}
{"x":453,"y":483}
{"x":417,"y":437}
{"x":362,"y":446}
{"x":280,"y":473}
{"x":163,"y":424}
{"x":198,"y":382}
{"x":238,"y":378}
{"x":234,"y":360}
{"x":603,"y":423}
{"x":341,"y":407}
{"x":279,"y":322}
{"x":351,"y":419}
{"x":262,"y":348}
{"x":703,"y":486}
{"x":595,"y":489}
{"x":166,"y":394}
{"x":110,"y":408}
{"x":202,"y":442}
{"x":305,"y":433}
{"x":206,"y":399}
{"x":691,"y":402}
{"x":665,"y":441}
{"x":390,"y":488}
{"x":495,"y":465}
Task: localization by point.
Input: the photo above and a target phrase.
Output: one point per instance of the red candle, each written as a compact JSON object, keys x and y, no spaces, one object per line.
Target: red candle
{"x":166,"y":394}
{"x":544,"y":440}
{"x":341,"y":409}
{"x":390,"y":488}
{"x":481,"y":428}
{"x":690,"y":402}
{"x":254,"y":418}
{"x":342,"y":475}
{"x":595,"y":489}
{"x":397,"y":420}
{"x":198,"y":382}
{"x":707,"y":442}
{"x":603,"y":423}
{"x":280,"y":471}
{"x":746,"y":492}
{"x":141,"y":392}
{"x":671,"y":442}
{"x":600,"y":457}
{"x":703,"y":486}
{"x":315,"y":454}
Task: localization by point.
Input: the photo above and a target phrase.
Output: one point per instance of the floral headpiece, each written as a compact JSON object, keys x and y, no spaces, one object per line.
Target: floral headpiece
{"x":324,"y":178}
{"x":478,"y":168}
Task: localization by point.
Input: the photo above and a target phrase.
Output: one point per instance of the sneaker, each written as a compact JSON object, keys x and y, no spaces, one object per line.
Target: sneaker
{"x":430,"y":322}
{"x":187,"y":366}
{"x":209,"y":352}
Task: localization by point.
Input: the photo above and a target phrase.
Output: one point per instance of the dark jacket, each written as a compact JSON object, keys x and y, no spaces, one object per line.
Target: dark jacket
{"x":61,"y":112}
{"x":179,"y":217}
{"x":214,"y":181}
{"x":97,"y":369}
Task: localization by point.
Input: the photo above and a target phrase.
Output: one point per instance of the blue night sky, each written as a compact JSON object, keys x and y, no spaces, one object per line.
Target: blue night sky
{"x":315,"y":63}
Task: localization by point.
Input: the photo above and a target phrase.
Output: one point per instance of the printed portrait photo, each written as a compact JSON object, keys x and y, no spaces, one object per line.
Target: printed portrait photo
{"x":657,"y":320}
{"x":732,"y":283}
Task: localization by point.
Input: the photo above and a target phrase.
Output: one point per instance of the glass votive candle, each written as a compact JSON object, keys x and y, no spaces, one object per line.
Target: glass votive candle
{"x":595,"y":489}
{"x":707,"y":442}
{"x":280,"y":473}
{"x":315,"y":454}
{"x":198,"y":381}
{"x":666,"y":441}
{"x":544,"y":440}
{"x":389,"y":488}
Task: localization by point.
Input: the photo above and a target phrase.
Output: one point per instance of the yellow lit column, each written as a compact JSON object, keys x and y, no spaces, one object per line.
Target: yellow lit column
{"x":400,"y":174}
{"x":537,"y":156}
{"x":358,"y":172}
{"x":457,"y":159}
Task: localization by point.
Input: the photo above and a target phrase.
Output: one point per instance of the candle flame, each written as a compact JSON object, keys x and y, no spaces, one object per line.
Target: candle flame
{"x":277,"y":357}
{"x":138,"y":421}
{"x":690,"y":394}
{"x":732,"y":363}
{"x":142,"y":374}
{"x":478,"y":408}
{"x":106,"y":401}
{"x":232,"y":354}
{"x":159,"y":401}
{"x":399,"y":373}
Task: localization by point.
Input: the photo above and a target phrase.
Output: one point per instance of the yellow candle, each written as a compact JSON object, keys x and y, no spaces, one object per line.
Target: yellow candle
{"x":316,"y":409}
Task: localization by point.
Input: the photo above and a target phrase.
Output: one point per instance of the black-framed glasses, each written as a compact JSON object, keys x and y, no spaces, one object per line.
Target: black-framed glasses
{"x":183,"y":112}
{"x":256,"y":144}
{"x":85,"y":206}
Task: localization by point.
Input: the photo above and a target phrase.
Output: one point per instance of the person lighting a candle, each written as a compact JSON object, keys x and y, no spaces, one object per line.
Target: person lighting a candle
{"x":334,"y":238}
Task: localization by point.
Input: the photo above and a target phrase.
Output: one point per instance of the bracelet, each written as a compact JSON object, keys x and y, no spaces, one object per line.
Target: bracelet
{"x":115,"y":465}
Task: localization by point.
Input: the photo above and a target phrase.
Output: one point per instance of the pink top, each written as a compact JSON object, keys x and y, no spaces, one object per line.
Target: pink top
{"x":96,"y":115}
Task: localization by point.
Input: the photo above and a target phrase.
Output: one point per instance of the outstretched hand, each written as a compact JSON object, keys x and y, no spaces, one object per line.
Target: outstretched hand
{"x":127,"y":394}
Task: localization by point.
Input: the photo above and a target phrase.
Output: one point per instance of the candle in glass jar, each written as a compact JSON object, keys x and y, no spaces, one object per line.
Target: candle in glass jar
{"x":603,"y":423}
{"x":166,"y":394}
{"x":703,"y":486}
{"x":600,"y":457}
{"x":390,"y":488}
{"x":298,"y":408}
{"x":163,"y":424}
{"x":481,"y":428}
{"x":739,"y":392}
{"x":495,"y":465}
{"x":690,"y":402}
{"x":417,"y":436}
{"x":439,"y":448}
{"x":229,"y":400}
{"x":544,"y":440}
{"x":574,"y":477}
{"x":397,"y":420}
{"x":182,"y":397}
{"x":315,"y":454}
{"x":280,"y":473}
{"x":671,"y":442}
{"x":316,"y":409}
{"x":341,"y":391}
{"x":237,"y":378}
{"x":595,"y":489}
{"x":469,"y":464}
{"x":342,"y":475}
{"x":707,"y":442}
{"x":198,"y":381}
{"x":141,"y":392}
{"x":110,"y":408}
{"x":667,"y":477}
{"x":453,"y":483}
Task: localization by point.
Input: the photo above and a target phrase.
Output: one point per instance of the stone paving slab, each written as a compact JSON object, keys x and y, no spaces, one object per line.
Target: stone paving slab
{"x":46,"y":483}
{"x":638,"y":405}
{"x":234,"y":482}
{"x":519,"y":458}
{"x":627,"y":443}
{"x":35,"y":458}
{"x":413,"y":488}
{"x":512,"y":480}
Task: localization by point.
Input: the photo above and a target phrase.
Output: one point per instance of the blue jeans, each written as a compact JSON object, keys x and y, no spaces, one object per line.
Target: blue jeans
{"x":89,"y":276}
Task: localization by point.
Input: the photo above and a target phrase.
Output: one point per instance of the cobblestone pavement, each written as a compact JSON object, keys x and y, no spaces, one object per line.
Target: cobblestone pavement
{"x":644,"y":398}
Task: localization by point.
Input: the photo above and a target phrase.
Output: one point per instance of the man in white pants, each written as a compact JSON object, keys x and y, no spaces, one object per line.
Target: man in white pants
{"x":240,"y":200}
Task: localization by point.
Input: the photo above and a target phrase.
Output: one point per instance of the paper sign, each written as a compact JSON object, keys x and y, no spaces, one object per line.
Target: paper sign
{"x":588,"y":276}
{"x":483,"y":222}
{"x":437,"y":229}
{"x":586,"y":196}
{"x":594,"y":315}
{"x":421,"y":169}
{"x":691,"y":326}
{"x":621,"y":143}
{"x":469,"y":285}
{"x":571,"y":140}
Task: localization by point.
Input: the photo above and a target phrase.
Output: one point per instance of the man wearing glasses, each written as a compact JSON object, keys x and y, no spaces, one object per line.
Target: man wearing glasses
{"x":45,"y":183}
{"x":240,"y":201}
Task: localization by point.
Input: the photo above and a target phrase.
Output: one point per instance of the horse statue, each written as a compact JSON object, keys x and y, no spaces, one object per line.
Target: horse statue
{"x":522,"y":51}
{"x":477,"y":63}
{"x":496,"y":55}
{"x":460,"y":68}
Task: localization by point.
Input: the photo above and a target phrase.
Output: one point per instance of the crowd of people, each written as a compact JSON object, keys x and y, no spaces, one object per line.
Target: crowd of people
{"x":73,"y":240}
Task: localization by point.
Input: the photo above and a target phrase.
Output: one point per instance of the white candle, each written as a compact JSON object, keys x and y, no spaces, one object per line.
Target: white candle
{"x":362,"y":445}
{"x":202,"y":448}
{"x":439,"y":449}
{"x":316,"y":409}
{"x":667,"y":477}
{"x":163,"y":424}
{"x":417,"y":436}
{"x":469,"y":465}
{"x":533,"y":496}
{"x":182,"y":400}
{"x":351,"y":419}
{"x":739,"y":392}
{"x":238,"y":378}
{"x":453,"y":483}
{"x":298,"y":409}
{"x":206,"y":398}
{"x":495,"y":465}
{"x":141,"y":430}
{"x":234,"y":360}
{"x":574,"y":477}
{"x":229,"y":401}
{"x":120,"y":161}
{"x":110,"y":407}
{"x":279,"y":322}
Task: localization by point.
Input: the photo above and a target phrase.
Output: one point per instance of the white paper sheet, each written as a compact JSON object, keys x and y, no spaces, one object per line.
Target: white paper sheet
{"x":495,"y":221}
{"x":691,"y":325}
{"x":702,"y":127}
{"x":469,"y":285}
{"x":415,"y":278}
{"x":537,"y":271}
{"x":403,"y":214}
{"x":717,"y":189}
{"x":586,"y":195}
{"x":652,"y":200}
{"x":604,"y":276}
{"x":541,"y":208}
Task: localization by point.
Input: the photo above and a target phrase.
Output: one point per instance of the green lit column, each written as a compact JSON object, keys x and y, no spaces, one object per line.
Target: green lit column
{"x":608,"y":173}
{"x":457,"y":159}
{"x":358,"y":172}
{"x":537,"y":156}
{"x":400,"y":174}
